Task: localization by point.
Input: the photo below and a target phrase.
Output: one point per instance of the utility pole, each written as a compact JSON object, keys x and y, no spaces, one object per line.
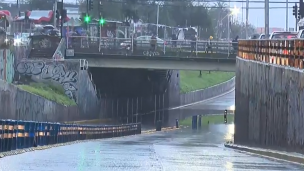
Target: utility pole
{"x":157,"y":18}
{"x":286,"y":15}
{"x":247,"y":16}
{"x":55,"y":9}
{"x":228,"y":36}
{"x":266,"y":19}
{"x":295,"y":14}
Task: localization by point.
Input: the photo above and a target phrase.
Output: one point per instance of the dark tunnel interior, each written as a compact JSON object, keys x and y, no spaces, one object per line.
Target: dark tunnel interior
{"x":125,"y":92}
{"x":128,"y":83}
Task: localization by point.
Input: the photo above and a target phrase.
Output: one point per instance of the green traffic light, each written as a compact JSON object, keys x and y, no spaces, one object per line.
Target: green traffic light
{"x":87,"y":19}
{"x":102,"y":21}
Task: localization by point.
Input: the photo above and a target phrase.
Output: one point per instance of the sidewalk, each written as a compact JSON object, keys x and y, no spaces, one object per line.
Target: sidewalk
{"x":274,"y":154}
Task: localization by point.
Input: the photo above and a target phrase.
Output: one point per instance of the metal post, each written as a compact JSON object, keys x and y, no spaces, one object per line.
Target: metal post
{"x":117,"y":108}
{"x":136,"y":109}
{"x":247,"y":16}
{"x":127,"y":111}
{"x":106,"y":107}
{"x":157,"y":20}
{"x":159,"y":107}
{"x":61,"y":21}
{"x":112,"y":109}
{"x":296,"y":29}
{"x":267,"y":19}
{"x":228,"y":36}
{"x":286,"y":15}
{"x":87,"y":6}
{"x":155,"y":109}
{"x":132,"y":110}
{"x":55,"y":9}
{"x":163,"y":117}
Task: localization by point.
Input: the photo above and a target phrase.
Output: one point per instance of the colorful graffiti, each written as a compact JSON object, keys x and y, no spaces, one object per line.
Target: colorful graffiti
{"x":54,"y":72}
{"x":7,"y":71}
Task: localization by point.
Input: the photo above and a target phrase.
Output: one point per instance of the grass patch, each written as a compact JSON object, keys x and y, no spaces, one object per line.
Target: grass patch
{"x":50,"y":92}
{"x":213,"y":119}
{"x":191,"y":80}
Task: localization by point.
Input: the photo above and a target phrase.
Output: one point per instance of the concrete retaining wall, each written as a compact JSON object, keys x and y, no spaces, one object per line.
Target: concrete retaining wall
{"x":199,"y":95}
{"x":21,"y":105}
{"x":269,"y":102}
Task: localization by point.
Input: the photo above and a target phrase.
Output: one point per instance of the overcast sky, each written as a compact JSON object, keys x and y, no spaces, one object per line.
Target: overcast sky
{"x":277,"y":17}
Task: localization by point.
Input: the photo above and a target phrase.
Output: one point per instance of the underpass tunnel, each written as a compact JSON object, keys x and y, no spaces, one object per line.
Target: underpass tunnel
{"x":129,"y":95}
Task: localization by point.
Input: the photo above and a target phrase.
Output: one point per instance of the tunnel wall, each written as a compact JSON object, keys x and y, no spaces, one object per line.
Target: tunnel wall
{"x":22,"y":105}
{"x":268,"y":105}
{"x":71,"y":75}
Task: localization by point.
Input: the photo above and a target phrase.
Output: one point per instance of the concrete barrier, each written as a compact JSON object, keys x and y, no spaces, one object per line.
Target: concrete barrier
{"x":268,"y":109}
{"x":204,"y":94}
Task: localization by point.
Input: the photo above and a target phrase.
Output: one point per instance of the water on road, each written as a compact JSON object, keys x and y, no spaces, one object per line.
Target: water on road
{"x":179,"y":150}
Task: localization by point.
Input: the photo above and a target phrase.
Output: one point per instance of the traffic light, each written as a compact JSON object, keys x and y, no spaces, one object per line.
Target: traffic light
{"x":225,"y":116}
{"x":57,"y":14}
{"x":295,"y":11}
{"x":91,"y":5}
{"x":299,"y":15}
{"x":87,"y":19}
{"x":102,"y":21}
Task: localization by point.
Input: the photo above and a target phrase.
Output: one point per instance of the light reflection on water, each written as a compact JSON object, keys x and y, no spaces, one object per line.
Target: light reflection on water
{"x":230,"y":132}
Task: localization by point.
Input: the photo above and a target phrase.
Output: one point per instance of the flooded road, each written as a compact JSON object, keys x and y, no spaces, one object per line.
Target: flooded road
{"x":179,"y":150}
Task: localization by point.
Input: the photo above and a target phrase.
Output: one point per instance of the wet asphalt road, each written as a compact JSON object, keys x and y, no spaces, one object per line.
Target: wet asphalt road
{"x":179,"y":150}
{"x":221,"y":103}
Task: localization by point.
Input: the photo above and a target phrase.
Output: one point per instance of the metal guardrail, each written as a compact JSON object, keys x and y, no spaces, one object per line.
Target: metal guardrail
{"x":122,"y":46}
{"x":26,"y":134}
{"x":280,"y":52}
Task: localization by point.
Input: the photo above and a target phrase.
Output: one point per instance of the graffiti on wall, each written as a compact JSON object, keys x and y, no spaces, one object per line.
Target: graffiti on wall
{"x":54,"y":72}
{"x":58,"y":55}
{"x":7,"y":65}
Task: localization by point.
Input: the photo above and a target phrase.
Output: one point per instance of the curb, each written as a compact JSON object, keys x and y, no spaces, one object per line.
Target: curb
{"x":278,"y":155}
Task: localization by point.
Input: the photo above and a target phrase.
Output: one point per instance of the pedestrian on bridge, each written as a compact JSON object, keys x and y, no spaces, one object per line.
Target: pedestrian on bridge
{"x":193,"y":44}
{"x":209,"y":44}
{"x":153,"y":42}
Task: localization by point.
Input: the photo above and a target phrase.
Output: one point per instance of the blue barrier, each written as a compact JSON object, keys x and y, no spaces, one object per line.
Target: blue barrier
{"x":16,"y":134}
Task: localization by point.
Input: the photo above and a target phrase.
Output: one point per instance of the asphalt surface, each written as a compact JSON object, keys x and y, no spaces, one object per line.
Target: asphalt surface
{"x":179,"y":150}
{"x":220,"y":103}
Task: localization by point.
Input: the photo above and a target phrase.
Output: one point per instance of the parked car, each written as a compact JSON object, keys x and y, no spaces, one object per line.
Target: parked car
{"x":143,"y":41}
{"x":283,"y":35}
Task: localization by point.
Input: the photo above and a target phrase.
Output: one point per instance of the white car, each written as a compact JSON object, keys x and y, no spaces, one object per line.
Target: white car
{"x":283,"y":35}
{"x":143,"y":41}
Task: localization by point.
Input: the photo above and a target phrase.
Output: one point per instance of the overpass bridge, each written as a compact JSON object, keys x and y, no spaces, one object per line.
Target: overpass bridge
{"x":117,"y":53}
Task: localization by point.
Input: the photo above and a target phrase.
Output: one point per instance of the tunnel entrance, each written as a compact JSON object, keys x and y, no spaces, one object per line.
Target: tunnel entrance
{"x":130,"y":95}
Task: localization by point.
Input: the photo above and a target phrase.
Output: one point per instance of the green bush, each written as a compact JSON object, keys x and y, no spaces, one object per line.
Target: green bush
{"x":49,"y":91}
{"x":191,"y":80}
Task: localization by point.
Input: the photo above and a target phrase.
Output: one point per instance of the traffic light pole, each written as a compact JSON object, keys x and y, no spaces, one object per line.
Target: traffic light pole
{"x":55,"y":9}
{"x":61,"y":21}
{"x":88,"y":7}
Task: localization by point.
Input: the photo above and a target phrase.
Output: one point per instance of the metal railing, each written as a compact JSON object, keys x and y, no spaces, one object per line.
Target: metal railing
{"x":16,"y":134}
{"x":132,"y":110}
{"x":123,"y":46}
{"x":280,"y":52}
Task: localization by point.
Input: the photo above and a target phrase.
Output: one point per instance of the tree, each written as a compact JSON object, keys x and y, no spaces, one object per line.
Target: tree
{"x":41,"y":4}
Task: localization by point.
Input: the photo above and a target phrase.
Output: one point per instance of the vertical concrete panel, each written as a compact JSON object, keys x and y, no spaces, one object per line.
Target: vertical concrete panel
{"x":268,"y":105}
{"x":87,"y":100}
